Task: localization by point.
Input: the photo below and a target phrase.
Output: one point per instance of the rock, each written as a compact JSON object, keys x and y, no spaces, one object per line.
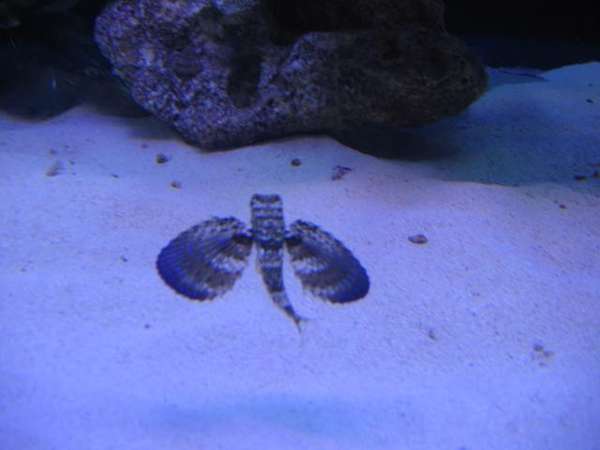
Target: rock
{"x":233,"y":72}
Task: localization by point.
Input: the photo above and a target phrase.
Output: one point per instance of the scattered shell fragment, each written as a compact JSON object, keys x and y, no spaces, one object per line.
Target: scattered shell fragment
{"x":339,"y":172}
{"x":55,"y":169}
{"x":542,"y":356}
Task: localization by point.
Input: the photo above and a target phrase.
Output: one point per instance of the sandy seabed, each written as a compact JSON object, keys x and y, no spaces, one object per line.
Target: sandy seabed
{"x":485,"y":337}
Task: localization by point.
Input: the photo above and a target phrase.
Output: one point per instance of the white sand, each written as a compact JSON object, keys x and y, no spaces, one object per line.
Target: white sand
{"x":487,"y":337}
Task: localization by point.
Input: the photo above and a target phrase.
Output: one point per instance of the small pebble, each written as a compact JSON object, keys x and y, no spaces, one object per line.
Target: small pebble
{"x":176,"y":184}
{"x":161,"y":158}
{"x":296,"y":162}
{"x":339,"y":172}
{"x":418,"y":239}
{"x":541,"y":355}
{"x":589,"y":100}
{"x":580,"y":177}
{"x":114,"y":175}
{"x":562,"y":206}
{"x":596,"y":174}
{"x":124,"y":259}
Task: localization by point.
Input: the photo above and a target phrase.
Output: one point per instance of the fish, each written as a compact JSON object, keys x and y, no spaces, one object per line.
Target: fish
{"x":204,"y":261}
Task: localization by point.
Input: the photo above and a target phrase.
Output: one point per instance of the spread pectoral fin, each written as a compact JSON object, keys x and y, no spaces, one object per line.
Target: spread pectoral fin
{"x":324,"y":265}
{"x":205,"y":261}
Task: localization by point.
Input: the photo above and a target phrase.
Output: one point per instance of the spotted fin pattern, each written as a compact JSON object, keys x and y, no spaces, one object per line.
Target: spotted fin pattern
{"x":204,"y":261}
{"x":324,"y":265}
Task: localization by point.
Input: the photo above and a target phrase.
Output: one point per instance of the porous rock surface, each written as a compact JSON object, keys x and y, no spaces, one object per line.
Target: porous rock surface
{"x":233,"y":72}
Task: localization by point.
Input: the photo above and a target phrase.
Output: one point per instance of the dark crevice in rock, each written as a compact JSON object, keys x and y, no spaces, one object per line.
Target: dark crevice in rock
{"x":186,"y":63}
{"x":242,"y":84}
{"x":209,"y":22}
{"x":304,"y":16}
